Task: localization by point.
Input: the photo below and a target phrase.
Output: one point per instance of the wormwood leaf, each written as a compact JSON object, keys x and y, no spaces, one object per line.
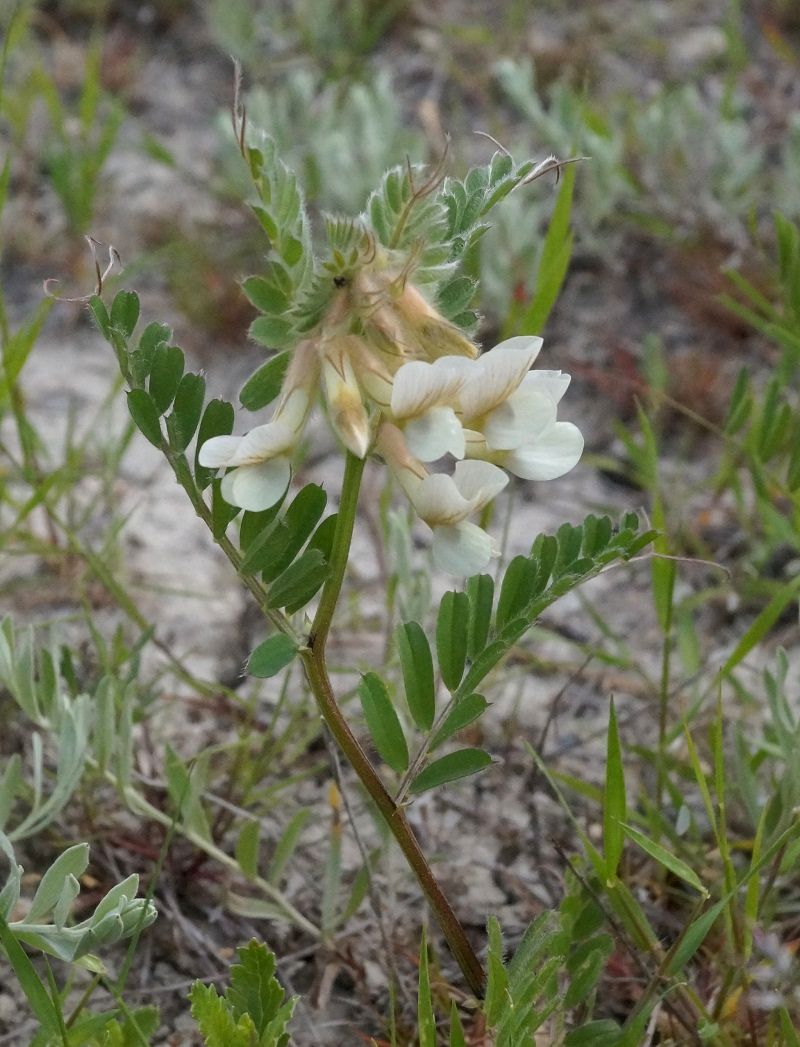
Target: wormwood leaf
{"x":417,"y":665}
{"x":383,"y":722}
{"x":247,"y":848}
{"x":287,"y":844}
{"x":72,"y":862}
{"x":274,"y":654}
{"x":264,"y":384}
{"x":450,"y":768}
{"x":451,"y":637}
{"x":144,"y":413}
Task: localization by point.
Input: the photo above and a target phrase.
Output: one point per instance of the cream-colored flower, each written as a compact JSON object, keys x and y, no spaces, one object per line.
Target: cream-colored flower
{"x":260,"y":462}
{"x":347,"y":412}
{"x":422,"y":404}
{"x":445,"y":503}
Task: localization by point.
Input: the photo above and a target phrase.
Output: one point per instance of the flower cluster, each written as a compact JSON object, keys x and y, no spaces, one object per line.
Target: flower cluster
{"x":399,"y":380}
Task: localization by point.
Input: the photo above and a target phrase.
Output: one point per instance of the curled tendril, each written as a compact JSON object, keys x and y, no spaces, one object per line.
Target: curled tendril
{"x":550,"y":163}
{"x":101,"y":275}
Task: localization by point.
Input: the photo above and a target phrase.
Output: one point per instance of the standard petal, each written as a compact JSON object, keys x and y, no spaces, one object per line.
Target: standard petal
{"x":437,"y":501}
{"x":463,"y":549}
{"x":479,"y":482}
{"x":527,"y":342}
{"x":418,"y":386}
{"x":552,"y":383}
{"x":525,"y":415}
{"x":554,"y":453}
{"x":262,"y":443}
{"x":500,"y":372}
{"x":435,"y":433}
{"x":257,"y":487}
{"x":218,"y":451}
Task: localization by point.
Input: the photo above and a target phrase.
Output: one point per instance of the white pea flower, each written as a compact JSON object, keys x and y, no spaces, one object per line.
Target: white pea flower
{"x":421,"y":404}
{"x":347,"y":412}
{"x":260,"y":462}
{"x":446,"y":502}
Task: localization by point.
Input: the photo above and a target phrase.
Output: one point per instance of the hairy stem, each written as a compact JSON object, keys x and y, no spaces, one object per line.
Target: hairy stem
{"x":314,"y":662}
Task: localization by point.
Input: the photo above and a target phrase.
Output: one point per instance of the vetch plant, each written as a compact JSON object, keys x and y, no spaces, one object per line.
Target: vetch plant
{"x":376,"y":322}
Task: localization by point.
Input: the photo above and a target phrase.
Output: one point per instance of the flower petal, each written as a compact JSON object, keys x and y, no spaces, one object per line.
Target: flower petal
{"x":553,"y":454}
{"x":478,"y":481}
{"x":463,"y":549}
{"x":218,"y":451}
{"x":499,"y":373}
{"x":435,"y":433}
{"x":525,"y":415}
{"x":418,"y":386}
{"x":257,"y":487}
{"x":262,"y":443}
{"x":552,"y":383}
{"x":437,"y":500}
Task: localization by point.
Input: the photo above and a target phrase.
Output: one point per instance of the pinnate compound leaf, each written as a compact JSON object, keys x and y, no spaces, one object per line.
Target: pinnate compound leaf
{"x":480,"y":590}
{"x":271,"y":656}
{"x":451,"y":637}
{"x":417,"y":665}
{"x":383,"y":722}
{"x":516,"y":589}
{"x":460,"y":764}
{"x":186,"y":411}
{"x":299,"y":582}
{"x":144,"y":413}
{"x":264,"y":384}
{"x":125,"y":312}
{"x":463,"y":713}
{"x":166,"y":371}
{"x":217,"y":420}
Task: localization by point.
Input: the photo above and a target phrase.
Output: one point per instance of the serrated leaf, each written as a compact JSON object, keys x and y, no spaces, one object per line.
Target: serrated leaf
{"x":383,"y":722}
{"x":166,"y":371}
{"x":271,"y":656}
{"x":417,"y":665}
{"x":125,"y":312}
{"x":450,"y":768}
{"x":463,"y":713}
{"x":145,"y":415}
{"x":452,"y":626}
{"x":217,"y":420}
{"x":186,"y":411}
{"x":263,"y":386}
